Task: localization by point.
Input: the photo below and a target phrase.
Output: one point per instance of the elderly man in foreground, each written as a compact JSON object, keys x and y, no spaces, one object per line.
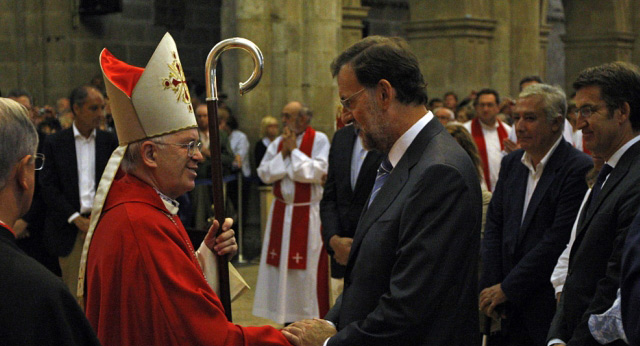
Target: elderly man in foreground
{"x":145,"y":283}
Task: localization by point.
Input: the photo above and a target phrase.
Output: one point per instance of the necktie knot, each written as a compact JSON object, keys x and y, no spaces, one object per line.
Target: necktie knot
{"x":604,"y":172}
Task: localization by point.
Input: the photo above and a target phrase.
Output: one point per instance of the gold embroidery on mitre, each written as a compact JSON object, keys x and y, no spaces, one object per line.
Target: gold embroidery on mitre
{"x":177,"y":82}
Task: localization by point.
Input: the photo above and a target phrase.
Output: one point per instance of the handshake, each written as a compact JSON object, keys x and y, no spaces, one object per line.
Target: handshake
{"x":309,"y":332}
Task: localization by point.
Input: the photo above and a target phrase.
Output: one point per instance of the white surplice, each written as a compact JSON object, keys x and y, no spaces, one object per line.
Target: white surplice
{"x":287,"y":295}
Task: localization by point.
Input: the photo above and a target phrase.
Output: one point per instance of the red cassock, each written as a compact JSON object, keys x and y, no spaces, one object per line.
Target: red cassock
{"x":144,"y":284}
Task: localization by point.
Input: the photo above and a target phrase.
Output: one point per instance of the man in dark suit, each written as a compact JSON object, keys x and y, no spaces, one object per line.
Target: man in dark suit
{"x":608,"y":103}
{"x":36,"y":308}
{"x":352,"y":172}
{"x":630,"y":284}
{"x":409,"y":280}
{"x":529,"y":220}
{"x":76,"y":158}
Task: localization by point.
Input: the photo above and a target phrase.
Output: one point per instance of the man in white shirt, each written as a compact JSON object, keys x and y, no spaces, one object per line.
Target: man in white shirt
{"x":76,"y":158}
{"x":529,"y":219}
{"x":489,"y":134}
{"x":293,"y":265}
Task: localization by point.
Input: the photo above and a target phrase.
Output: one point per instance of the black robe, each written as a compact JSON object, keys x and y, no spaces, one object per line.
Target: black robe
{"x":36,"y":307}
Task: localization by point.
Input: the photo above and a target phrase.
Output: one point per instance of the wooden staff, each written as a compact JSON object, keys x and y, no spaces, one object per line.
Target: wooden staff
{"x":214,"y":140}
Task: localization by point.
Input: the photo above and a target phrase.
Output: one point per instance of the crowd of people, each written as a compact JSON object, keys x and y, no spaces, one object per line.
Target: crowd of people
{"x":421,"y":222}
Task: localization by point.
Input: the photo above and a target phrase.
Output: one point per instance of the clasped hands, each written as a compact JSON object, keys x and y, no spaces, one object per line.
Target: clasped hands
{"x":288,"y":142}
{"x":309,"y":332}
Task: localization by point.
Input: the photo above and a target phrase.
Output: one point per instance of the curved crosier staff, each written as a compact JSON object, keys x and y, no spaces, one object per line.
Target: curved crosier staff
{"x":214,"y":138}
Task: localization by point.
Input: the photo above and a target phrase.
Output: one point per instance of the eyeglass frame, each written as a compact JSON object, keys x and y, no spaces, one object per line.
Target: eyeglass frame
{"x":36,"y":157}
{"x":346,"y":103}
{"x":191,"y":146}
{"x":579,"y":112}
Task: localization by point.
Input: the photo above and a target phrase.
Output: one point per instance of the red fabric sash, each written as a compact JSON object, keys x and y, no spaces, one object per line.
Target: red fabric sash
{"x":299,"y":220}
{"x":478,"y":137}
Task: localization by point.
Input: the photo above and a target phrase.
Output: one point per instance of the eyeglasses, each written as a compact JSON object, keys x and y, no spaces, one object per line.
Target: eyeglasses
{"x":346,"y":103}
{"x":191,"y":146}
{"x":38,"y":161}
{"x":586,"y":111}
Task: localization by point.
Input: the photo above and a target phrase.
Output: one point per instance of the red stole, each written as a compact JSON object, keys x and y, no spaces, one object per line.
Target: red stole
{"x":299,"y":220}
{"x":478,"y":137}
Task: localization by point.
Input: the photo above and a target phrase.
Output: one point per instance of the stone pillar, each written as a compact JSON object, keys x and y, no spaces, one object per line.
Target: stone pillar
{"x":592,"y":41}
{"x":298,"y":40}
{"x":452,"y":40}
{"x":526,"y":54}
{"x":352,"y":16}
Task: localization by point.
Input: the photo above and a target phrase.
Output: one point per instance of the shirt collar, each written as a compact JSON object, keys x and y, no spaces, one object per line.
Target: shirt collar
{"x":526,"y":158}
{"x":171,"y":204}
{"x":402,"y":144}
{"x":76,"y":132}
{"x":613,"y":160}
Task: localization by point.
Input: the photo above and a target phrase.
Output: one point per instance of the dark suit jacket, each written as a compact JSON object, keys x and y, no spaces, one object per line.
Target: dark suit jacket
{"x":630,"y":284}
{"x":341,"y":205}
{"x":409,"y":280}
{"x":593,"y":276}
{"x":37,"y":308}
{"x":521,"y":254}
{"x":59,"y":181}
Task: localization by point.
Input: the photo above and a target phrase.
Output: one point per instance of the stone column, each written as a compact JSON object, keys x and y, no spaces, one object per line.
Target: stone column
{"x":452,"y":40}
{"x":593,"y":40}
{"x":526,"y":42}
{"x":352,"y":16}
{"x":298,"y":40}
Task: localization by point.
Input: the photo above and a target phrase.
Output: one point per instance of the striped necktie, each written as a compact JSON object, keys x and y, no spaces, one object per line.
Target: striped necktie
{"x":383,"y":173}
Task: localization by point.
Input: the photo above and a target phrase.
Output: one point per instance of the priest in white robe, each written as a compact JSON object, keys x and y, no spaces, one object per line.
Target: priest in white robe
{"x":293,"y":275}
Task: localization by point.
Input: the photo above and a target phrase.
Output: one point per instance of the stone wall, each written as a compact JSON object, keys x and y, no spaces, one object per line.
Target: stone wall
{"x":48,"y":48}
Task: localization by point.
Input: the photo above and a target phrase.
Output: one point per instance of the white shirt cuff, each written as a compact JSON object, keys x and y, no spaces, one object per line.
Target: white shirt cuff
{"x":555,"y":341}
{"x":326,"y":342}
{"x":558,"y":289}
{"x":73,"y":217}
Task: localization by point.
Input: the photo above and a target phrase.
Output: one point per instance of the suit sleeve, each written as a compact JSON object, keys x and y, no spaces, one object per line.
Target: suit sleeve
{"x":428,"y":273}
{"x":607,"y":288}
{"x":328,"y":205}
{"x":492,"y":242}
{"x":51,"y":182}
{"x":535,"y":268}
{"x":630,"y":284}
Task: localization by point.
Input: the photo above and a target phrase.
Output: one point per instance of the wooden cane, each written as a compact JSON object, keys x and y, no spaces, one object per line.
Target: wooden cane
{"x":214,"y":140}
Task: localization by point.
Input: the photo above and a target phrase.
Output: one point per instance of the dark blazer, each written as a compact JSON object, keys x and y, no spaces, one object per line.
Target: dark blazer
{"x":341,"y":205}
{"x":409,"y":280}
{"x":521,"y":254}
{"x":630,"y":284}
{"x":59,"y":181}
{"x":593,"y":275}
{"x":37,"y":308}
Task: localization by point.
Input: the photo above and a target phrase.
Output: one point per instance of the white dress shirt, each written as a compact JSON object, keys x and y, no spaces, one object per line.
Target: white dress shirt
{"x":86,"y":162}
{"x":535,"y":173}
{"x":240,"y":146}
{"x":357,"y":158}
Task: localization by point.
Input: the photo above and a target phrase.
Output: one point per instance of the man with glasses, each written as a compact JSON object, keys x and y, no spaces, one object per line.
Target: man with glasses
{"x":293,"y":275}
{"x":145,"y":282}
{"x":77,"y":157}
{"x":411,"y":276}
{"x":489,"y":134}
{"x":37,"y":308}
{"x":608,"y":103}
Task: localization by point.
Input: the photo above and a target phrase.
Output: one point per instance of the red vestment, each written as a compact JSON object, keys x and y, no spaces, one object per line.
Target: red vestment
{"x":144,"y":284}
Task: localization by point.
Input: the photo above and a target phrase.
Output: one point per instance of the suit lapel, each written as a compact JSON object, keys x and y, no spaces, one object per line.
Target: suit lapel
{"x":371,"y":162}
{"x":615,"y":177}
{"x":392,"y":187}
{"x":543,"y":185}
{"x":71,"y":167}
{"x":102,"y":154}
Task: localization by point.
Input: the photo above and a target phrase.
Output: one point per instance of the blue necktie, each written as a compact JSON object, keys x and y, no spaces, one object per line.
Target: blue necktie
{"x":383,"y":173}
{"x":597,"y":187}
